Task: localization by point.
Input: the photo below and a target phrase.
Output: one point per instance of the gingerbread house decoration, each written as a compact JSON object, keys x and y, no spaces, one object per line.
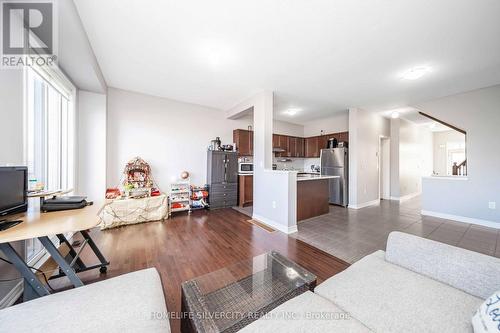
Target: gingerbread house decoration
{"x":138,"y":176}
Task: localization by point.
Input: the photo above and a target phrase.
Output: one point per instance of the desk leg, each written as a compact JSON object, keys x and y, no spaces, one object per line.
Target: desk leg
{"x":96,"y":250}
{"x":30,"y":279}
{"x":59,"y":259}
{"x":72,"y":252}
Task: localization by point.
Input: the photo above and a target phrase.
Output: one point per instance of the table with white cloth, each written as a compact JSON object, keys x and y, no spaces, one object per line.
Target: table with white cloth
{"x":119,"y":212}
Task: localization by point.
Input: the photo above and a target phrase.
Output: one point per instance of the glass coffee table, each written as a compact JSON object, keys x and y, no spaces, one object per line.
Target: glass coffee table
{"x":231,"y":298}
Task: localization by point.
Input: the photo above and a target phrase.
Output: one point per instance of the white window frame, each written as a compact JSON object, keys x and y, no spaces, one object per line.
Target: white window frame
{"x":54,"y":77}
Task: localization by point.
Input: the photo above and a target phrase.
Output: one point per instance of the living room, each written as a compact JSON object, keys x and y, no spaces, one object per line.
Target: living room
{"x":216,"y":167}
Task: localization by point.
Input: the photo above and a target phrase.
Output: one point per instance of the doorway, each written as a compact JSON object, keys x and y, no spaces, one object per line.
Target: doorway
{"x":384,"y":162}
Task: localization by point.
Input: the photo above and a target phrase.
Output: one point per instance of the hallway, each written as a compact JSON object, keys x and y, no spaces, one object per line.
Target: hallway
{"x":352,"y":234}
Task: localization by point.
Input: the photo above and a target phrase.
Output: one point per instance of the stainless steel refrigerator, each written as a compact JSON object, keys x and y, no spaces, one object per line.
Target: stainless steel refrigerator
{"x":335,"y":162}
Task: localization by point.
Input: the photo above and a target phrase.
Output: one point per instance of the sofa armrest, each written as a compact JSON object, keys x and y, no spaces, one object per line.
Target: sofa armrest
{"x":472,"y":272}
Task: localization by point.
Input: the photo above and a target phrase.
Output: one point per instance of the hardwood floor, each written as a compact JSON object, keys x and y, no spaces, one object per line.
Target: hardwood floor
{"x":188,"y":246}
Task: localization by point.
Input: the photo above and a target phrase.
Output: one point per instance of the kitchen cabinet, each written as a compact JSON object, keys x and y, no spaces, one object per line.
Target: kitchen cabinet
{"x":281,"y":141}
{"x":292,"y":146}
{"x":301,"y":147}
{"x":311,"y":145}
{"x":244,"y":142}
{"x":245,"y":190}
{"x":344,"y":136}
{"x":322,"y":143}
{"x":295,"y":147}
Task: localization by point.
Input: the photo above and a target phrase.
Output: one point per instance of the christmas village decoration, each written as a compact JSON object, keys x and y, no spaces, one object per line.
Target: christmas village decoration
{"x":138,"y":181}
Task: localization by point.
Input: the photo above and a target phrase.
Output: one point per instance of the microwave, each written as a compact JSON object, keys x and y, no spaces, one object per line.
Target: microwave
{"x":245,"y":167}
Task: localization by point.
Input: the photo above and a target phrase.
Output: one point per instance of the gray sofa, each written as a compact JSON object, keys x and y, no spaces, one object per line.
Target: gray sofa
{"x":416,"y":285}
{"x":132,"y":302}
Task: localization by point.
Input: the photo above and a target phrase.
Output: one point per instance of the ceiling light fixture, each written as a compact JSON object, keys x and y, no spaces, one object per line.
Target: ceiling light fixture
{"x":292,"y":111}
{"x":416,"y":72}
{"x":395,"y":115}
{"x":432,"y":126}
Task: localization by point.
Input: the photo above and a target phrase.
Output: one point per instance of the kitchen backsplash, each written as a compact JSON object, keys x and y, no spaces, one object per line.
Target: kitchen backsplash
{"x":296,"y":163}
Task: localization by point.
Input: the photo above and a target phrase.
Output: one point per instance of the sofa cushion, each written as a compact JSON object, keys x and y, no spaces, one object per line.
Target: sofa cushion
{"x":306,"y":313}
{"x":472,"y":272}
{"x":122,"y":304}
{"x":388,"y":298}
{"x":487,"y":317}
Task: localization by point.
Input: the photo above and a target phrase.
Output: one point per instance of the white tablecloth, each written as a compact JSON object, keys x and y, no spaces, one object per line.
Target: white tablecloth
{"x":120,"y":212}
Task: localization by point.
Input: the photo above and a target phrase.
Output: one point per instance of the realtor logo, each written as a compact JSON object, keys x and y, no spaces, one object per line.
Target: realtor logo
{"x":28,"y":33}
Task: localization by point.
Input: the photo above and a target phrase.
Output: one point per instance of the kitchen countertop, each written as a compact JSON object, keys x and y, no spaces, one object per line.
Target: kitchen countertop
{"x":245,"y":174}
{"x":314,"y":177}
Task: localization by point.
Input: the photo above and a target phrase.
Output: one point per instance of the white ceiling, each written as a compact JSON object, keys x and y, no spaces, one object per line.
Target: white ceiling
{"x":318,"y":56}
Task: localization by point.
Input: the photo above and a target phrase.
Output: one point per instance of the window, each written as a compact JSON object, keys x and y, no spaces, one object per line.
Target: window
{"x":50,"y":131}
{"x":49,"y":136}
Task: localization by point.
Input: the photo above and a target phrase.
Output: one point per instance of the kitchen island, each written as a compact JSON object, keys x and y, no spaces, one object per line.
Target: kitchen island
{"x":312,"y":195}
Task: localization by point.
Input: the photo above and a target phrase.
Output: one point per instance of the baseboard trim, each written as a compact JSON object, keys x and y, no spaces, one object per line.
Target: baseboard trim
{"x":406,"y":197}
{"x":365,"y":204}
{"x":275,"y":225}
{"x":13,"y":295}
{"x":464,"y":219}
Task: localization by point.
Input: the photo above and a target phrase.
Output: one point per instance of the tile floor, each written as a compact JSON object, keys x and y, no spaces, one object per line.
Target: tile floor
{"x":352,"y":234}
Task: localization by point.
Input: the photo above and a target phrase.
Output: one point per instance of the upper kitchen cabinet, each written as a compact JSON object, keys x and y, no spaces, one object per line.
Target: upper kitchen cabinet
{"x":301,"y":149}
{"x":312,"y":147}
{"x":322,"y":143}
{"x":295,"y":147}
{"x":282,"y":142}
{"x":292,"y":147}
{"x":344,"y":136}
{"x":244,"y":142}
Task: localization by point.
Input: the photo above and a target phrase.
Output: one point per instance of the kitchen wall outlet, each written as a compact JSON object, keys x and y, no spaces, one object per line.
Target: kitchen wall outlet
{"x":364,"y":190}
{"x":274,"y":204}
{"x":492,"y":205}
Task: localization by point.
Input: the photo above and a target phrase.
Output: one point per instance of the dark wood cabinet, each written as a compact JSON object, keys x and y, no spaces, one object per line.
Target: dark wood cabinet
{"x":311,"y":145}
{"x":244,"y":142}
{"x":245,"y":190}
{"x":301,"y":147}
{"x":322,"y":143}
{"x":292,"y":146}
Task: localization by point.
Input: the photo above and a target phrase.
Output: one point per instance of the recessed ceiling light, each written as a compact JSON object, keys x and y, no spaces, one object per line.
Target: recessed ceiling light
{"x":432,"y":126}
{"x":395,"y":115}
{"x":416,"y":72}
{"x":292,"y":111}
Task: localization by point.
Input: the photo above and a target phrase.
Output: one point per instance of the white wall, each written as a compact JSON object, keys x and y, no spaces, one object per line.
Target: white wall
{"x":171,"y":136}
{"x":395,"y":189}
{"x":11,"y":116}
{"x":440,"y":140}
{"x":338,"y":122}
{"x":91,"y":145}
{"x":415,"y":157}
{"x":275,"y":192}
{"x":365,"y":129}
{"x":286,"y":128}
{"x":411,"y":157}
{"x":11,"y":152}
{"x":478,"y":113}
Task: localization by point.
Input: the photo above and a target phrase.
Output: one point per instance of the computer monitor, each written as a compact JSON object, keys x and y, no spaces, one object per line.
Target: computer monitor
{"x":13,"y":190}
